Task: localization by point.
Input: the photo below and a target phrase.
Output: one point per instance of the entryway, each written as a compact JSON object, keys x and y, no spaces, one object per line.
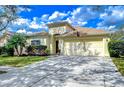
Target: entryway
{"x":57,"y":47}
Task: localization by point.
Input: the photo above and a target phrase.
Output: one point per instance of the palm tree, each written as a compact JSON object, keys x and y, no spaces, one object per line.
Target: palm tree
{"x":17,"y":41}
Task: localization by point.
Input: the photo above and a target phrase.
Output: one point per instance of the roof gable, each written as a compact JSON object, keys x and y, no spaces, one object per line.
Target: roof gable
{"x":57,"y":24}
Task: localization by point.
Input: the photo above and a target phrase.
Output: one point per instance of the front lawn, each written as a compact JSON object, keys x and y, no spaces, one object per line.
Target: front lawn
{"x":20,"y":61}
{"x":119,"y":62}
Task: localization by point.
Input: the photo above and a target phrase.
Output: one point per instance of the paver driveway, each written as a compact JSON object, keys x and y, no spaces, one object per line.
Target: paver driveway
{"x":73,"y":71}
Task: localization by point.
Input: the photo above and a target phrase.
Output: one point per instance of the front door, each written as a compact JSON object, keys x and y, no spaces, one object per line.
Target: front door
{"x":57,"y":46}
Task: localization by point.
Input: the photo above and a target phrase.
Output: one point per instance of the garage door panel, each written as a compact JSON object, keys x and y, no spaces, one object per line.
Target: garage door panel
{"x":84,"y":48}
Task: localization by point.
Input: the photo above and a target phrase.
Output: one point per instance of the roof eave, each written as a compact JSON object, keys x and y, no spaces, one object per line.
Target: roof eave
{"x":105,"y":34}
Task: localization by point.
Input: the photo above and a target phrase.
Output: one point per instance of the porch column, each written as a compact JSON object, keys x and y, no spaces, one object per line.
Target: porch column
{"x":61,"y":46}
{"x":105,"y":46}
{"x":52,"y":45}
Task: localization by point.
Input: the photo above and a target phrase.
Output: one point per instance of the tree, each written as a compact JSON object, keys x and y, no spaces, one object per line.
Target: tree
{"x":118,"y":34}
{"x":116,"y":45}
{"x":18,"y":42}
{"x":9,"y":13}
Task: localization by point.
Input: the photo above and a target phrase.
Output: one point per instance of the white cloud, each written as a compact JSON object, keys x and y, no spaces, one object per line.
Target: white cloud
{"x":82,"y":23}
{"x":35,"y":19}
{"x":76,"y":11}
{"x":57,"y":16}
{"x":44,"y":26}
{"x":84,"y":13}
{"x":34,"y":25}
{"x":21,"y":31}
{"x":38,"y":24}
{"x":107,"y":18}
{"x":99,"y":24}
{"x":80,"y":16}
{"x":24,"y":31}
{"x":118,"y":13}
{"x":21,"y":9}
{"x":44,"y":17}
{"x":69,"y":20}
{"x":103,"y":15}
{"x":112,"y":16}
{"x":29,"y":32}
{"x":111,"y":27}
{"x":77,"y":22}
{"x":103,"y":28}
{"x":107,"y":28}
{"x":21,"y":21}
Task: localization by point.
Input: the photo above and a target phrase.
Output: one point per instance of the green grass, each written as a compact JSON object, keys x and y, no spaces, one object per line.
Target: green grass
{"x":119,"y":62}
{"x":20,"y":61}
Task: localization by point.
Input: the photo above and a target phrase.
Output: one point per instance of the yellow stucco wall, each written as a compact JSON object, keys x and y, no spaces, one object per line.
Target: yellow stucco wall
{"x":52,"y":45}
{"x":105,"y":46}
{"x":45,"y":40}
{"x":3,"y":41}
{"x":57,"y":30}
{"x":86,"y":46}
{"x":60,"y":29}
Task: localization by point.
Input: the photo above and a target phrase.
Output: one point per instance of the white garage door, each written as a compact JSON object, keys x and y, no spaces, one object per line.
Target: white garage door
{"x":94,"y":48}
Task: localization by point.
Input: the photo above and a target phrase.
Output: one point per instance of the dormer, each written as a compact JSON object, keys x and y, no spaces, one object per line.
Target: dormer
{"x":59,"y":28}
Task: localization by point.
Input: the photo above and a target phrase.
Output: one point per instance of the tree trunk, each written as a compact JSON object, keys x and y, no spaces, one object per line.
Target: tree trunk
{"x":21,"y":49}
{"x":16,"y":48}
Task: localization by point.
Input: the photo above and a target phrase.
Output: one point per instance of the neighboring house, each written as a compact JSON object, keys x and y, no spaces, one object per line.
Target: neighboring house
{"x":69,"y":40}
{"x":4,"y":38}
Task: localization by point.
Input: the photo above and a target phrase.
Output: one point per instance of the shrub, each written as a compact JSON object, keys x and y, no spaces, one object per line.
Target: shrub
{"x":0,"y":50}
{"x":6,"y":50}
{"x":41,"y":47}
{"x":47,"y":51}
{"x":30,"y":50}
{"x":36,"y":50}
{"x":116,"y":48}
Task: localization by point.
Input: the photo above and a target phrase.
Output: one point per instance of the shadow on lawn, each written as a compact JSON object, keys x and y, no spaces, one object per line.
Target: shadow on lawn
{"x":3,"y":72}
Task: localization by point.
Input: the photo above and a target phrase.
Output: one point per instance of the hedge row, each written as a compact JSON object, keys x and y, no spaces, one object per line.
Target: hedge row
{"x":6,"y":51}
{"x":37,"y":50}
{"x":31,"y":50}
{"x":116,"y":48}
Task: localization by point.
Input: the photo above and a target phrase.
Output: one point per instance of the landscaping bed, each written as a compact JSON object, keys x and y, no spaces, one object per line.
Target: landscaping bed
{"x":20,"y":61}
{"x":119,"y":62}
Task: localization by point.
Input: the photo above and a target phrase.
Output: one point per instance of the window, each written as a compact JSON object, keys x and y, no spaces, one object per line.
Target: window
{"x":35,"y":42}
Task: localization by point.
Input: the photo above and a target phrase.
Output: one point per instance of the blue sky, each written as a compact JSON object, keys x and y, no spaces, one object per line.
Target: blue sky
{"x":35,"y":17}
